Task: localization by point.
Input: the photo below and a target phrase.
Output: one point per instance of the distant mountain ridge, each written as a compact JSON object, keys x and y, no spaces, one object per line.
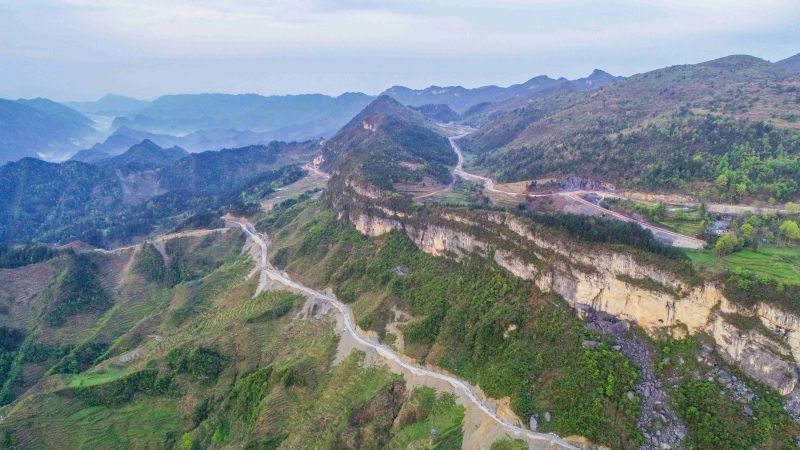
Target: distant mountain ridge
{"x":123,"y":138}
{"x":288,"y":116}
{"x":145,"y":155}
{"x":41,"y":127}
{"x":109,"y":104}
{"x":461,"y":99}
{"x":127,"y":195}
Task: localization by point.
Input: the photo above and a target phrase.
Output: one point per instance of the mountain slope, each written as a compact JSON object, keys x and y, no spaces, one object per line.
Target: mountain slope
{"x":40,"y":127}
{"x":661,"y":129}
{"x":127,"y":197}
{"x":57,"y":110}
{"x":790,"y":64}
{"x":213,"y":139}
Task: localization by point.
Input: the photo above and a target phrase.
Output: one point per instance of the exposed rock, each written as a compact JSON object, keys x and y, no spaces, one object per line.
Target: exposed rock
{"x":738,"y":389}
{"x":375,"y":227}
{"x":757,"y":355}
{"x":533,"y":423}
{"x":792,"y":404}
{"x":589,"y":281}
{"x":657,"y":415}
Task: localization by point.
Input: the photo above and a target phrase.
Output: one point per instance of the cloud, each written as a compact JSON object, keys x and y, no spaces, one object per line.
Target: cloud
{"x":556,"y":37}
{"x":175,"y":27}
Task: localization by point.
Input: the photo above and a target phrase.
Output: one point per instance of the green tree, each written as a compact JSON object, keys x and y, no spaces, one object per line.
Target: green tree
{"x":790,"y":230}
{"x":659,"y":211}
{"x":748,"y":232}
{"x":726,"y":245}
{"x":722,"y":183}
{"x":792,"y":208}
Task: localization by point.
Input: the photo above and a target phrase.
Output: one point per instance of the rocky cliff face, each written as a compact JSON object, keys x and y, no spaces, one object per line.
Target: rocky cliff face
{"x":606,"y":280}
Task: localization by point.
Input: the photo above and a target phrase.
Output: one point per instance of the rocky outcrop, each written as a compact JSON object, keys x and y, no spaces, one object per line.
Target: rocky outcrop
{"x":365,"y":190}
{"x":515,"y":265}
{"x":758,"y":356}
{"x":371,"y":226}
{"x":441,"y":241}
{"x":602,"y":278}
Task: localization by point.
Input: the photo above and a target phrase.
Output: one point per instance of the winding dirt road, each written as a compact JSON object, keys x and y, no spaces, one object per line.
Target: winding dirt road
{"x":540,"y":440}
{"x":671,"y":237}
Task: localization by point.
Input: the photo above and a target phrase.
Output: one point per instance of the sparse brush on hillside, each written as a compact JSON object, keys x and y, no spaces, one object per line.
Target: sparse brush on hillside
{"x":78,"y":290}
{"x":499,"y":332}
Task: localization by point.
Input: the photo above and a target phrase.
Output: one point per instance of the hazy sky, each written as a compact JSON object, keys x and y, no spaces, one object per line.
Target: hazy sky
{"x":82,"y":49}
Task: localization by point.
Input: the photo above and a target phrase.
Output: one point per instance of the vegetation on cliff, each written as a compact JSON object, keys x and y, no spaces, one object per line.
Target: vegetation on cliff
{"x":471,"y":318}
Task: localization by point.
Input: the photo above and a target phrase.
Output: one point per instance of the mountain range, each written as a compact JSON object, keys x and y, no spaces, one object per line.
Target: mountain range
{"x":383,"y":287}
{"x":109,"y":105}
{"x":40,"y":127}
{"x":461,"y":99}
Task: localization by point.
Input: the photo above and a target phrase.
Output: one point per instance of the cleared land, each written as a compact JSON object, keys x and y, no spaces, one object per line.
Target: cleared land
{"x":778,"y":263}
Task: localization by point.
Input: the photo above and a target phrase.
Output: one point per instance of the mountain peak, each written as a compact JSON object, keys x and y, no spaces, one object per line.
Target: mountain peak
{"x":382,"y":106}
{"x":736,"y":62}
{"x":599,"y":73}
{"x":146,"y":154}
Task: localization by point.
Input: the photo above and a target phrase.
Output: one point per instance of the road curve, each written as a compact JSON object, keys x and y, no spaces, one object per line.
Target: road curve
{"x":676,"y":239}
{"x":350,"y":327}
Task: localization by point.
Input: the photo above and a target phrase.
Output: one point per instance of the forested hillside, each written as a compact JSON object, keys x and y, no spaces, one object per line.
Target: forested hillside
{"x":129,"y":195}
{"x":730,"y":124}
{"x":386,"y":144}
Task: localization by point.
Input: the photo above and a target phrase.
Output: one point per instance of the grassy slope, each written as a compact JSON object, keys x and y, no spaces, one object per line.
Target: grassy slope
{"x":777,"y":263}
{"x":276,"y":384}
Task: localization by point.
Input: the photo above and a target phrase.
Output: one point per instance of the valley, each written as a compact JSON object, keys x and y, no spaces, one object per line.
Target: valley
{"x":606,"y":262}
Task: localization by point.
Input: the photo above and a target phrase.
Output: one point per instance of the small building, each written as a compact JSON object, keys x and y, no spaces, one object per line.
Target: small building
{"x":593,"y":197}
{"x":720,"y":227}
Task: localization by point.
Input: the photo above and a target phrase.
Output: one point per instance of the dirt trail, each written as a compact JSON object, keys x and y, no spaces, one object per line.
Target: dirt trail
{"x":467,"y":394}
{"x":164,"y":238}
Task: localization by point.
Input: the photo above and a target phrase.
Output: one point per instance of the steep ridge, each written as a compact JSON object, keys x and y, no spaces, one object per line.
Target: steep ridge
{"x":611,"y":282}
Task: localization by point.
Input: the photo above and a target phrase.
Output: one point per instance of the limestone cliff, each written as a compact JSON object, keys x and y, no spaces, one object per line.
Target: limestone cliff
{"x":608,"y":281}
